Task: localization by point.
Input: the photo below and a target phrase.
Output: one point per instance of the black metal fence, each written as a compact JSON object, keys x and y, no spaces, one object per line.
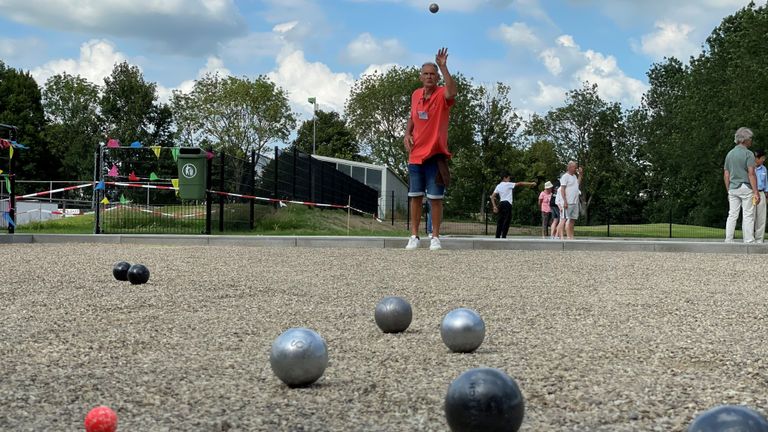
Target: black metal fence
{"x":527,"y":221}
{"x":136,"y":190}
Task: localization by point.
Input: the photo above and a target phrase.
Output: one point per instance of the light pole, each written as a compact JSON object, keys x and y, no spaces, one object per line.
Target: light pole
{"x":313,"y":101}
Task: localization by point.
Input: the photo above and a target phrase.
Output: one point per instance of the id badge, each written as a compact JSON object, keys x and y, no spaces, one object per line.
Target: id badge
{"x":423,"y":115}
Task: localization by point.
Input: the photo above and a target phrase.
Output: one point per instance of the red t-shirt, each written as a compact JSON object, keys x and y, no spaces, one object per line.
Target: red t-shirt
{"x":430,"y":125}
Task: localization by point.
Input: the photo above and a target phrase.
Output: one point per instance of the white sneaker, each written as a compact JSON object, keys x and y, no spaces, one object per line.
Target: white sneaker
{"x":434,"y":244}
{"x":413,"y":243}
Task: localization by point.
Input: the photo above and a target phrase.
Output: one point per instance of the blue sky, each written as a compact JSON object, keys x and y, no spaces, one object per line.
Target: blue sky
{"x":319,"y":48}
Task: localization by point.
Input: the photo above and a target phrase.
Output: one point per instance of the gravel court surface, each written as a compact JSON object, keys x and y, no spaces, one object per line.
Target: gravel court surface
{"x":597,"y":341}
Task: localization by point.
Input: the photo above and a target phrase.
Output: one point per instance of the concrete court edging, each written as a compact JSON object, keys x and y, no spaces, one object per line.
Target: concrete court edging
{"x":448,"y":243}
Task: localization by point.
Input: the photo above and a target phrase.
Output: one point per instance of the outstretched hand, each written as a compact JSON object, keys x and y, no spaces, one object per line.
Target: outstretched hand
{"x":442,"y":57}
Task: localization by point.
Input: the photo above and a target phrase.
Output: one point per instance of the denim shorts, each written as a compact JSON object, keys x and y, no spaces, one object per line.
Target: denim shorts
{"x":422,"y":178}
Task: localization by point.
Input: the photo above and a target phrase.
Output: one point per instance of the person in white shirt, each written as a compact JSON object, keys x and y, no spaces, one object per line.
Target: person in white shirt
{"x":504,"y":207}
{"x":568,"y":200}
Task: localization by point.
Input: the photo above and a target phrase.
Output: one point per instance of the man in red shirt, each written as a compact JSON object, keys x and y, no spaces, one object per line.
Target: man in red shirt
{"x":426,"y":140}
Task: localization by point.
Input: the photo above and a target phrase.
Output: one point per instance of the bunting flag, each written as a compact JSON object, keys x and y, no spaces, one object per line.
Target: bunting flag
{"x":123,"y":200}
{"x":113,"y":171}
{"x":10,"y":152}
{"x":19,"y":145}
{"x":5,"y":143}
{"x":105,"y":201}
{"x":132,"y":177}
{"x":113,"y":143}
{"x":209,"y":154}
{"x":175,"y":153}
{"x":8,"y":184}
{"x":136,"y":144}
{"x":156,"y":149}
{"x":175,"y":183}
{"x":1,"y":171}
{"x":99,"y":186}
{"x":8,"y":219}
{"x":153,"y":176}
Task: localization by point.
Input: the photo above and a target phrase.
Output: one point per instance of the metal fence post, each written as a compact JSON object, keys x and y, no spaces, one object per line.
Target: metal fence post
{"x":485,"y":208}
{"x":12,"y":198}
{"x":408,"y":215}
{"x":670,"y":221}
{"x":293,"y":180}
{"x":608,"y":223}
{"x":221,"y":189}
{"x":392,"y":207}
{"x":277,"y":177}
{"x":208,"y":195}
{"x":96,"y":193}
{"x":252,"y":181}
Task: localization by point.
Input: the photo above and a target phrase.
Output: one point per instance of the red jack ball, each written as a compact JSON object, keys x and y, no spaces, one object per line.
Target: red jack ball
{"x":101,"y":419}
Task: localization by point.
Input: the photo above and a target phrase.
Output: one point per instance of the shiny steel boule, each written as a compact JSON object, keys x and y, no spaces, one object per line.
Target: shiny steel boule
{"x":728,"y":418}
{"x":484,"y":400}
{"x":462,"y":330}
{"x":299,"y":357}
{"x":393,"y":314}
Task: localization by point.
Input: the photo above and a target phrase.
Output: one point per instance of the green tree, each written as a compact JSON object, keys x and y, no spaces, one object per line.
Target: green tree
{"x":21,"y":106}
{"x":377,"y":111}
{"x":73,"y":129}
{"x":334,"y":139}
{"x":234,"y":114}
{"x":128,"y":105}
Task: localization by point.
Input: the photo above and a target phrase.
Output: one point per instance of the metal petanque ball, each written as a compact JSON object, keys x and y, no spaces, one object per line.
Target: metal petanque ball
{"x":434,"y":8}
{"x":462,"y":330}
{"x":729,"y":418}
{"x":120,"y":270}
{"x":299,"y":357}
{"x":138,"y":274}
{"x":393,"y":314}
{"x":486,"y":400}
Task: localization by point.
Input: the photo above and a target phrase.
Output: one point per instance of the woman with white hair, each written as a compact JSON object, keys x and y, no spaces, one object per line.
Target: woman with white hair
{"x":741,"y":185}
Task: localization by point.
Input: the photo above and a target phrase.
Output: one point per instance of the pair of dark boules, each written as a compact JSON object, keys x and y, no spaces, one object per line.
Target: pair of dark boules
{"x":727,"y":418}
{"x":136,"y":274}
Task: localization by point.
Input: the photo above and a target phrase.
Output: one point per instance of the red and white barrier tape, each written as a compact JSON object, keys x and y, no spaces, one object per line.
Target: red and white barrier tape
{"x":84,"y":185}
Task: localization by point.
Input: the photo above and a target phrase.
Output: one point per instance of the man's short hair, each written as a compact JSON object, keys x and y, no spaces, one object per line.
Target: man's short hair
{"x":433,"y":64}
{"x":505,"y":174}
{"x":759,"y":153}
{"x":742,"y":134}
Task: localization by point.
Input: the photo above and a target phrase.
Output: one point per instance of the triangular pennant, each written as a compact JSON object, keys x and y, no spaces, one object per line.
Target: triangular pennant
{"x":153,"y":177}
{"x":113,"y":143}
{"x":8,"y":184}
{"x":99,"y":186}
{"x":156,"y":149}
{"x":175,"y":153}
{"x":8,"y":219}
{"x":10,"y":152}
{"x":105,"y":201}
{"x":136,"y":144}
{"x":113,"y":171}
{"x":133,"y":177}
{"x":123,"y":200}
{"x":19,"y":145}
{"x":1,"y":171}
{"x":175,"y":183}
{"x":209,"y":154}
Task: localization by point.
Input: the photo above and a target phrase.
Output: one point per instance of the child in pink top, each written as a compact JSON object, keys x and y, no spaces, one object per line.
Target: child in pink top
{"x":544,"y":198}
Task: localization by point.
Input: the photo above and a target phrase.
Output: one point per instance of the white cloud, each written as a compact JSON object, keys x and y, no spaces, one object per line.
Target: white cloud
{"x":97,"y":59}
{"x":551,"y":61}
{"x":572,"y":66}
{"x":366,"y":49}
{"x":669,"y":40}
{"x":213,"y":65}
{"x":628,"y":12}
{"x":303,"y":79}
{"x":189,"y":26}
{"x":517,"y":34}
{"x":378,"y":68}
{"x":549,"y":96}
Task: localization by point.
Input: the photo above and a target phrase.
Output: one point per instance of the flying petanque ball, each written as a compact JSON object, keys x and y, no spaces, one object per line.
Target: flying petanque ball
{"x":120,"y":270}
{"x":729,"y":418}
{"x":434,"y":8}
{"x":299,"y":357}
{"x":462,"y":330}
{"x":484,"y":400}
{"x":138,"y":274}
{"x":393,"y":314}
{"x":101,"y":419}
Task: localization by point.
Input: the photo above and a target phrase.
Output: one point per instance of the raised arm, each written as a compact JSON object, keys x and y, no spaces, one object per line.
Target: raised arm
{"x":442,"y":62}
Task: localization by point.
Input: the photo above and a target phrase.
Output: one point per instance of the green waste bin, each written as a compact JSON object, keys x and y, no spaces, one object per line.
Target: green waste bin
{"x":191,"y":164}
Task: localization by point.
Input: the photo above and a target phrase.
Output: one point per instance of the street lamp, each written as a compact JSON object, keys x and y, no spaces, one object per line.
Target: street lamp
{"x":313,"y":101}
